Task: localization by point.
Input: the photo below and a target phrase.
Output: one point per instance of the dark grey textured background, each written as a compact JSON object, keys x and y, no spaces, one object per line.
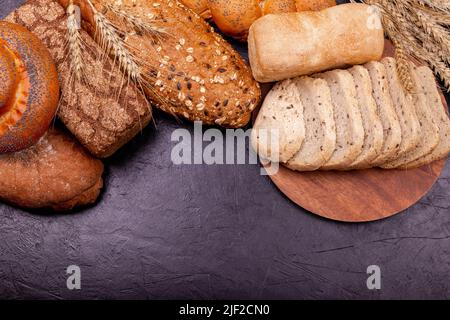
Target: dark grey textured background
{"x":162,"y":231}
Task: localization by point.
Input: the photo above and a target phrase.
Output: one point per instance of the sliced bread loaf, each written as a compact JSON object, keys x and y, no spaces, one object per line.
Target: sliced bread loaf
{"x":279,"y":129}
{"x":347,"y":117}
{"x":429,"y":89}
{"x":373,"y":128}
{"x":392,"y":131}
{"x":320,"y":140}
{"x":430,"y":131}
{"x":404,"y":107}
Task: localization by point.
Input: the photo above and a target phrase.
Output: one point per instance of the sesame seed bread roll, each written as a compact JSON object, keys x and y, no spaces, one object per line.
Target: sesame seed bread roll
{"x":294,"y":44}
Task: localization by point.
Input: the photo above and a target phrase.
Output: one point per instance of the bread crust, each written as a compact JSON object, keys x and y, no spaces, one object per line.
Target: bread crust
{"x":198,"y":6}
{"x":193,"y":73}
{"x":315,"y":5}
{"x":281,"y":117}
{"x":293,"y":44}
{"x":29,"y":90}
{"x":55,"y":173}
{"x":97,"y":115}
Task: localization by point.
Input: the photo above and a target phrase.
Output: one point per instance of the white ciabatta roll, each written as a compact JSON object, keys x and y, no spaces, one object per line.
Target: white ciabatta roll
{"x":294,"y":44}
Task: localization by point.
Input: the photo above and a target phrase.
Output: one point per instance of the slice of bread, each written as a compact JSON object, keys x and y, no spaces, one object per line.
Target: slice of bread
{"x":430,"y":131}
{"x":280,"y":118}
{"x":373,"y":128}
{"x":441,"y":118}
{"x":392,"y":131}
{"x":404,"y":107}
{"x":347,"y":117}
{"x":320,"y":140}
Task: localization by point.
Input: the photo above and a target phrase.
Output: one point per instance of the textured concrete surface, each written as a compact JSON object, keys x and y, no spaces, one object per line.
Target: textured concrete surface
{"x":165,"y":231}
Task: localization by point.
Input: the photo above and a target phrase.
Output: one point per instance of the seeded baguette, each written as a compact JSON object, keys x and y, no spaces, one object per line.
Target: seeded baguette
{"x":279,"y":121}
{"x":373,"y":128}
{"x":320,"y":139}
{"x":404,"y":108}
{"x":347,"y":117}
{"x":392,"y":131}
{"x":429,"y":127}
{"x":429,"y":89}
{"x":192,"y":72}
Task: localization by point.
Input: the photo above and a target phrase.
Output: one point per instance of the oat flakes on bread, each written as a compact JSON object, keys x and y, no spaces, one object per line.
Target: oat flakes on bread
{"x":320,"y":137}
{"x":188,"y":69}
{"x":347,"y":117}
{"x":392,"y":132}
{"x":404,"y":108}
{"x":280,"y":121}
{"x":373,"y":128}
{"x":429,"y":127}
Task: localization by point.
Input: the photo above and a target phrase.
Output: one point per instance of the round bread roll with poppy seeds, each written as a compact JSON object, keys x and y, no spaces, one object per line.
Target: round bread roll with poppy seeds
{"x":29,"y":88}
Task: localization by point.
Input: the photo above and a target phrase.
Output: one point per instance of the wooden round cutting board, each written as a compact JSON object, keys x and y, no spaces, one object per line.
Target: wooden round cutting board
{"x":360,"y":195}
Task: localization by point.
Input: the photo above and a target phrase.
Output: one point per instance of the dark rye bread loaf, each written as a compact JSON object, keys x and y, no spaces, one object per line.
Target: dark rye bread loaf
{"x":98,"y":116}
{"x":192,"y":72}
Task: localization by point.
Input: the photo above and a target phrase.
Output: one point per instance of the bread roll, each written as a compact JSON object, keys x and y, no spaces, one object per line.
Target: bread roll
{"x":29,"y":88}
{"x":55,"y":173}
{"x":315,"y":5}
{"x":293,"y":44}
{"x":234,"y":17}
{"x":278,"y":6}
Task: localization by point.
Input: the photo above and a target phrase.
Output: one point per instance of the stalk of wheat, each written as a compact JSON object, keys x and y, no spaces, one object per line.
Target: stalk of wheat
{"x":419,"y":29}
{"x":111,"y":41}
{"x":75,"y":44}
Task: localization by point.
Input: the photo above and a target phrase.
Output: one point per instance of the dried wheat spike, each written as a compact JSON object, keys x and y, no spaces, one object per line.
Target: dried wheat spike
{"x":75,"y":45}
{"x":137,"y":23}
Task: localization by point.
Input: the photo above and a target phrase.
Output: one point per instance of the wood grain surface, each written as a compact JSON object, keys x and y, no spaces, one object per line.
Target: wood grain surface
{"x":361,"y":195}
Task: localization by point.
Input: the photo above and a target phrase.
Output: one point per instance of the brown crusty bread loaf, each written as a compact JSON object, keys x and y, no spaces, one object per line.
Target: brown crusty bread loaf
{"x":192,"y":72}
{"x":55,"y":173}
{"x":279,"y":129}
{"x":320,"y":140}
{"x":100,"y":118}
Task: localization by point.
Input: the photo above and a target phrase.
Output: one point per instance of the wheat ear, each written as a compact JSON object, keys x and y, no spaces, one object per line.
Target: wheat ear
{"x":75,"y":45}
{"x":111,"y":42}
{"x":137,"y":23}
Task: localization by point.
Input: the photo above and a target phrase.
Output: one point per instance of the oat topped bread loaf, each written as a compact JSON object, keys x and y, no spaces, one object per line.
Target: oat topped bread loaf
{"x":103,"y":114}
{"x":187,"y":69}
